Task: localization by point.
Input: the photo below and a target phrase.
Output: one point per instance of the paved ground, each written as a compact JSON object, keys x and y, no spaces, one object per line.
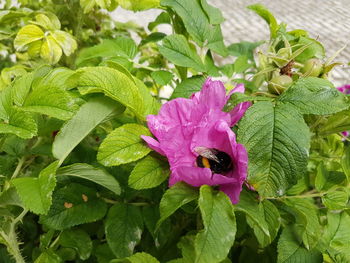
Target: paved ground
{"x":329,"y":20}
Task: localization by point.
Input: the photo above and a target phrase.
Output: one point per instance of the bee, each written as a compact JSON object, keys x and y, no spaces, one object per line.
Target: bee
{"x":217,"y":161}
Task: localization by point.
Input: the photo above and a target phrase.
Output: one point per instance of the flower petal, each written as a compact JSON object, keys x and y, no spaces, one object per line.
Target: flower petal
{"x":153,"y":144}
{"x":232,"y":191}
{"x":197,"y":176}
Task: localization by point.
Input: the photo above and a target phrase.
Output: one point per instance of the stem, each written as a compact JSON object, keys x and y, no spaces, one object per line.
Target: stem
{"x":310,"y":195}
{"x":18,"y":167}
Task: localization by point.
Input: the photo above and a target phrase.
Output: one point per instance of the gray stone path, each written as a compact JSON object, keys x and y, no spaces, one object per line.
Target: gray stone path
{"x":329,"y":20}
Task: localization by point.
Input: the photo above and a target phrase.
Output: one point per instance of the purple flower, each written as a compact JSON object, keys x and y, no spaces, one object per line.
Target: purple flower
{"x":344,"y":89}
{"x":190,"y":130}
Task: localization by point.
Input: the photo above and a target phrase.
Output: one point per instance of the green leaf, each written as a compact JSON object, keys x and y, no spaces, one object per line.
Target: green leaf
{"x":187,"y":87}
{"x":140,"y":257}
{"x":162,"y":77}
{"x":290,"y":250}
{"x":148,"y":173}
{"x":219,"y":224}
{"x":338,"y":122}
{"x":66,"y":41}
{"x":314,"y":50}
{"x":50,"y":100}
{"x":123,"y":229}
{"x":277,"y":140}
{"x":262,"y":217}
{"x":162,"y":18}
{"x":73,"y":205}
{"x":315,"y":96}
{"x":265,"y":14}
{"x":36,"y":193}
{"x":176,"y":49}
{"x":197,"y":24}
{"x":28,"y":34}
{"x":336,"y":199}
{"x":307,"y":222}
{"x":123,"y":145}
{"x":45,"y":22}
{"x":48,"y":256}
{"x":175,"y":197}
{"x":121,"y":46}
{"x":243,"y":48}
{"x":237,"y":98}
{"x":345,"y":162}
{"x":88,"y":172}
{"x":336,"y":236}
{"x":188,"y":251}
{"x":138,"y":5}
{"x":214,"y":14}
{"x":151,"y":104}
{"x":77,"y":239}
{"x":327,"y":179}
{"x":87,"y":118}
{"x":50,"y":51}
{"x":112,"y":83}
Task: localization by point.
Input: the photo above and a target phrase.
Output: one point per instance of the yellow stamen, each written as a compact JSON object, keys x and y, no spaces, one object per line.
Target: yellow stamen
{"x":205,"y":162}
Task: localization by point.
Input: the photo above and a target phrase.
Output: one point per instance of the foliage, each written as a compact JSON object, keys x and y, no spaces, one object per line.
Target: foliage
{"x":77,"y":182}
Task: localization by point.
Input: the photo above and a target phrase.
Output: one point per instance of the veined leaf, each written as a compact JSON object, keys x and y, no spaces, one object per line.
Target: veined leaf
{"x":87,"y":118}
{"x":50,"y":50}
{"x":140,"y":257}
{"x":138,"y":5}
{"x":290,"y":250}
{"x":123,"y":229}
{"x":197,"y":23}
{"x":315,"y":96}
{"x":36,"y":192}
{"x":277,"y":140}
{"x":28,"y":34}
{"x":123,"y":145}
{"x":114,"y":84}
{"x":187,"y":87}
{"x":77,"y":239}
{"x":73,"y":205}
{"x":66,"y":41}
{"x":177,"y":50}
{"x":88,"y":172}
{"x":175,"y":197}
{"x":148,"y":173}
{"x":219,"y":224}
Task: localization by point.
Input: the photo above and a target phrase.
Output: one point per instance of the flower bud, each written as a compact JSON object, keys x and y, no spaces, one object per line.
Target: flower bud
{"x":280,"y":83}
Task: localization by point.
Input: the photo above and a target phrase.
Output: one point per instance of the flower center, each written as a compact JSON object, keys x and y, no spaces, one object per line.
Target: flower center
{"x":217,"y":161}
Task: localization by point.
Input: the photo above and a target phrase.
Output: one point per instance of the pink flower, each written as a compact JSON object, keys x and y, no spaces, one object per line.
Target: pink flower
{"x":346,"y":90}
{"x":187,"y":130}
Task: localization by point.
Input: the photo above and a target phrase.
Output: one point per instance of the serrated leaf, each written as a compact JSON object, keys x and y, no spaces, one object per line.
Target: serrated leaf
{"x":123,"y":229}
{"x":336,"y":199}
{"x":88,"y":172}
{"x":123,"y":145}
{"x":48,"y":256}
{"x":66,"y":41}
{"x":140,"y":257}
{"x":73,"y":205}
{"x":290,"y":250}
{"x":77,"y":239}
{"x":262,"y":217}
{"x":338,"y":122}
{"x":162,"y":77}
{"x":307,"y":222}
{"x":327,"y":179}
{"x":277,"y":140}
{"x":243,"y":48}
{"x":28,"y":34}
{"x":36,"y":193}
{"x":148,"y":173}
{"x":176,"y":49}
{"x":219,"y":224}
{"x":336,"y":236}
{"x":265,"y":14}
{"x":214,"y":14}
{"x":187,"y":87}
{"x":151,"y":104}
{"x":50,"y":100}
{"x":112,"y":83}
{"x":175,"y":197}
{"x":45,"y":22}
{"x":315,"y":96}
{"x":237,"y":98}
{"x":197,"y":24}
{"x":87,"y":118}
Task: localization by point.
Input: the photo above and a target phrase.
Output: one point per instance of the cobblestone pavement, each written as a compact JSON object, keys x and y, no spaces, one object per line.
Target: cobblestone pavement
{"x":329,"y":20}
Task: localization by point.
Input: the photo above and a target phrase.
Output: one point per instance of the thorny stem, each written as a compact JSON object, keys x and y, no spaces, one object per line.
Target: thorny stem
{"x":10,"y":238}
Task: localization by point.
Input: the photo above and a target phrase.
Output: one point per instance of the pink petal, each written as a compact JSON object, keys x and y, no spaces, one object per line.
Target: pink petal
{"x":197,"y":176}
{"x":232,"y":191}
{"x":212,"y":95}
{"x":238,"y":112}
{"x":153,"y":144}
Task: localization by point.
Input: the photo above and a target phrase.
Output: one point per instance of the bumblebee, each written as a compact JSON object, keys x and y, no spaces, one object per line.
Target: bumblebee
{"x":217,"y":161}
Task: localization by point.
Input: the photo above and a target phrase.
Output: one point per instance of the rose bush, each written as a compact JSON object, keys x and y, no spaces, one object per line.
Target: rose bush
{"x":243,"y":162}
